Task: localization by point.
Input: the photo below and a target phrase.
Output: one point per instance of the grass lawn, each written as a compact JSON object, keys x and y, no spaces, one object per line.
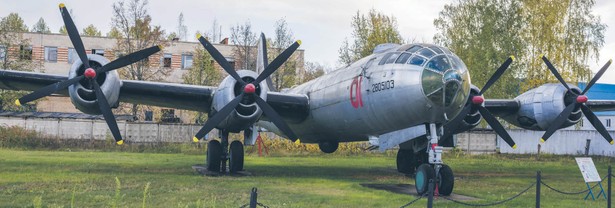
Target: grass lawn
{"x":88,"y":179}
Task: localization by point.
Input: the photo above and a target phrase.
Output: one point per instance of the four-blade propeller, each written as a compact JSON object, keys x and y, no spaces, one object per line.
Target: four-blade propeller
{"x":476,"y":102}
{"x":90,"y":74}
{"x":579,"y":102}
{"x":249,"y":89}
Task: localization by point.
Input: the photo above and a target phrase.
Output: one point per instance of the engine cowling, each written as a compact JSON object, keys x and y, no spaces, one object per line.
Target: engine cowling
{"x":81,"y":94}
{"x":247,"y":112}
{"x":540,"y":106}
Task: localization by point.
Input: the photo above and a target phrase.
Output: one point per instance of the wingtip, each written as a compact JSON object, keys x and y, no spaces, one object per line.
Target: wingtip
{"x":17,"y":103}
{"x":61,"y":5}
{"x":512,"y":57}
{"x":195,"y":140}
{"x":542,"y":140}
{"x":120,"y":142}
{"x":514,"y":146}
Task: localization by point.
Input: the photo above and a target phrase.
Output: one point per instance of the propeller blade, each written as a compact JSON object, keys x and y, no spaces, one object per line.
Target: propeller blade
{"x":593,"y":119}
{"x":554,"y":71}
{"x":73,"y":34}
{"x":277,"y":62}
{"x":129,"y":59}
{"x":275,"y":118}
{"x":498,"y":73}
{"x":107,"y":114}
{"x":497,"y":127}
{"x":561,"y":118}
{"x":47,"y":90}
{"x":219,"y":58}
{"x":597,"y":77}
{"x":219,"y":117}
{"x":455,"y":122}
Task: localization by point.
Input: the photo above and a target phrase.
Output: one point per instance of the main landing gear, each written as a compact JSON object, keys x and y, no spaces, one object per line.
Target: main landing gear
{"x":219,"y":152}
{"x":426,"y":164}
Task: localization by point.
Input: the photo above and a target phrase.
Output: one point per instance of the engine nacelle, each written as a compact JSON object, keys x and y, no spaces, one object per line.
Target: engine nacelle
{"x":247,"y":112}
{"x":539,"y":107}
{"x":82,"y":94}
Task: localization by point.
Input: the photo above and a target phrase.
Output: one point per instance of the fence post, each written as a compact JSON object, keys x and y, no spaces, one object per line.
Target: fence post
{"x":253,"y":197}
{"x":538,"y":189}
{"x":430,"y":192}
{"x":608,"y":198}
{"x":587,"y":143}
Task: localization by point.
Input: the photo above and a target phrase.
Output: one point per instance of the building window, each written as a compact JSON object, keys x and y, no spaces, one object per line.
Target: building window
{"x":72,"y":55}
{"x":608,"y":122}
{"x":186,"y":61}
{"x":25,"y":52}
{"x":166,"y":60}
{"x":51,"y":54}
{"x":98,"y":52}
{"x":2,"y":52}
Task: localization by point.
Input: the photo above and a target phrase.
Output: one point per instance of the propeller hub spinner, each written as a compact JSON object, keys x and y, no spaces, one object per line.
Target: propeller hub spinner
{"x":582,"y":99}
{"x":477,"y":100}
{"x":249,"y":89}
{"x":89,"y":73}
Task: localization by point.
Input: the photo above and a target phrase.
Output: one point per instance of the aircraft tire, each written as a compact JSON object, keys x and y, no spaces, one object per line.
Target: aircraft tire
{"x":421,"y":180}
{"x":447,"y":181}
{"x":406,"y":161}
{"x":328,"y":147}
{"x":236,"y":156}
{"x":214,"y":155}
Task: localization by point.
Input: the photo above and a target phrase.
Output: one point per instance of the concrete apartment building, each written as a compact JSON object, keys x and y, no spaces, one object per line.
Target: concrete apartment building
{"x":55,"y":54}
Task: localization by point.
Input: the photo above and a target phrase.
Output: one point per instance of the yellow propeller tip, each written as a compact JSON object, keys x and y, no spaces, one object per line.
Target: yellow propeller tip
{"x":299,"y":41}
{"x":120,"y":142}
{"x":160,"y":47}
{"x":512,"y":57}
{"x":17,"y":103}
{"x":514,"y":146}
{"x":610,"y":60}
{"x":542,"y":55}
{"x":198,"y":36}
{"x":542,"y":140}
{"x":61,"y":5}
{"x":612,"y":142}
{"x":194,"y":139}
{"x":298,"y":141}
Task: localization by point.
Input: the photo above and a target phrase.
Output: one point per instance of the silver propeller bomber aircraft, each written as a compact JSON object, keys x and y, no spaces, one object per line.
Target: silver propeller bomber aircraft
{"x":423,"y":89}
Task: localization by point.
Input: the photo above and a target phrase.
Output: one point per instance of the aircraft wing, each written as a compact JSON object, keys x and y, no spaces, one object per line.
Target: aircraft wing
{"x":503,"y":107}
{"x":169,"y":95}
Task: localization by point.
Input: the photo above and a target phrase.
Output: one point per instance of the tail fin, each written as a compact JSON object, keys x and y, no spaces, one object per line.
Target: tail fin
{"x":261,"y":60}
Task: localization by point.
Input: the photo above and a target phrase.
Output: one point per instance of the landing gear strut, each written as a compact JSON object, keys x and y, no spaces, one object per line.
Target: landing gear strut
{"x":434,"y":169}
{"x":219,"y":152}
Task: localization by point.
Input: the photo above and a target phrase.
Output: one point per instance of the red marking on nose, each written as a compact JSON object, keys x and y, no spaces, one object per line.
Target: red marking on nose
{"x":582,"y":99}
{"x":249,"y":89}
{"x":90,"y":73}
{"x":477,"y":100}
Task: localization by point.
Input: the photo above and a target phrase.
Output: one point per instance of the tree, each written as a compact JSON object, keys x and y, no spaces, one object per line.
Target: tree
{"x":286,"y":75}
{"x":13,"y":23}
{"x":202,"y":72}
{"x":216,"y":32}
{"x":313,"y":70}
{"x":40,"y":26}
{"x":368,"y":32}
{"x":136,"y":32}
{"x":91,"y":30}
{"x":114,"y":33}
{"x":11,"y":37}
{"x":484,"y":33}
{"x":244,"y":40}
{"x":62,"y":30}
{"x":182,"y":29}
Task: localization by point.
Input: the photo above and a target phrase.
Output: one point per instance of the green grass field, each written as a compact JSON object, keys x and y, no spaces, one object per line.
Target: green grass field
{"x":88,"y":179}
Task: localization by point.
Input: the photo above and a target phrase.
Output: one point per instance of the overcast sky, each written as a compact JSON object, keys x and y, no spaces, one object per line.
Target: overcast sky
{"x":322,"y":25}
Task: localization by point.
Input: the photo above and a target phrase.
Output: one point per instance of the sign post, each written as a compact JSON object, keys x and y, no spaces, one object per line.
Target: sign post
{"x":590,"y":174}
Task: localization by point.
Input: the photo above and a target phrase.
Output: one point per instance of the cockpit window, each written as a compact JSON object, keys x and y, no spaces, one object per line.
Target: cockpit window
{"x":436,"y":49}
{"x":385,"y":58}
{"x":427,"y":53}
{"x":439,"y":63}
{"x":392,"y":58}
{"x":417,"y":60}
{"x":403,"y":58}
{"x":413,"y":49}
